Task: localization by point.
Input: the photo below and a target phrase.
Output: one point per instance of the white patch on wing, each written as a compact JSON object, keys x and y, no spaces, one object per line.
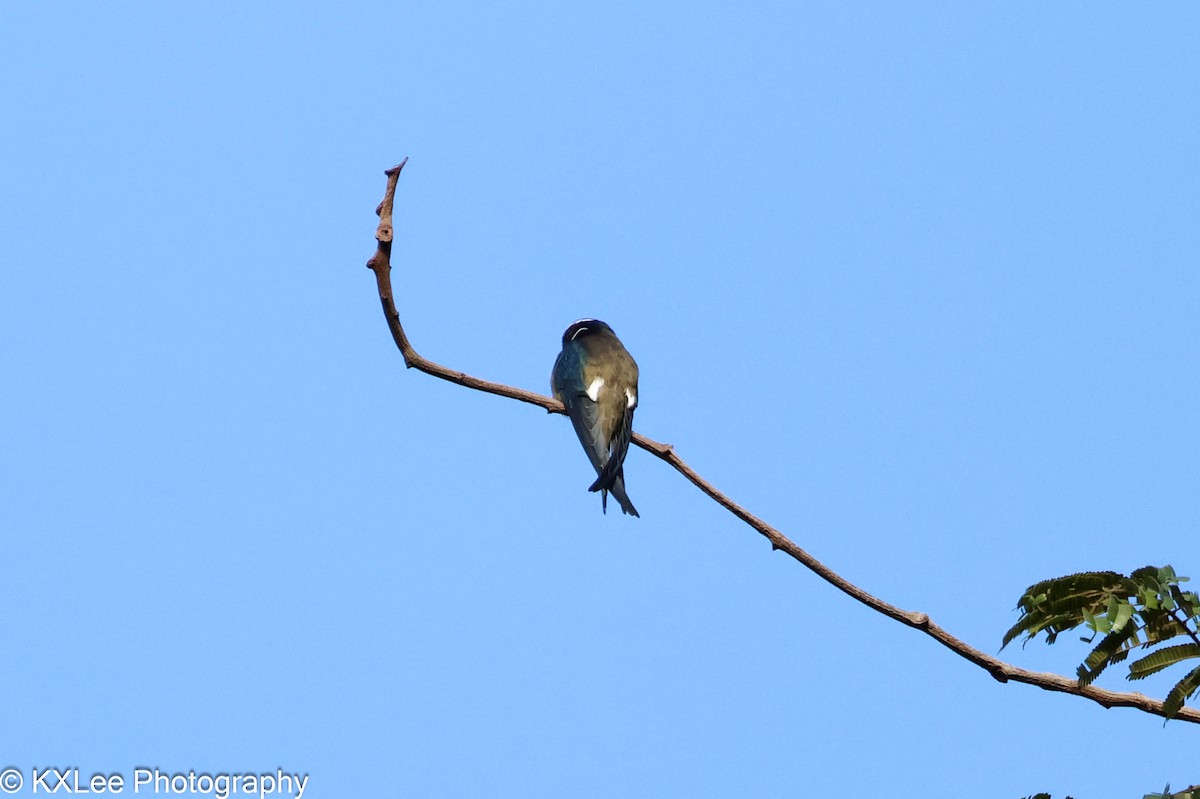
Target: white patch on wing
{"x":630,"y":398}
{"x":594,"y":389}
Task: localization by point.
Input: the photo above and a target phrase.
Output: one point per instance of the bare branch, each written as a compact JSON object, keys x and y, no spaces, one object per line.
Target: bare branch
{"x":380,"y":264}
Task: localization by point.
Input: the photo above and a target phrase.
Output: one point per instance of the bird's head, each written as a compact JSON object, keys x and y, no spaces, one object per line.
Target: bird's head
{"x":584,"y":328}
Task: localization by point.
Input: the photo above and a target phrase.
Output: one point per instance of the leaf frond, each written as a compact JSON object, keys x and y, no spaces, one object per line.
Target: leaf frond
{"x":1160,"y":659}
{"x":1112,"y":649}
{"x":1184,"y":689}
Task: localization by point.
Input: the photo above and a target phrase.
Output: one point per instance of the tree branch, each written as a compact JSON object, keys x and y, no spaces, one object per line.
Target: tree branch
{"x":380,"y":264}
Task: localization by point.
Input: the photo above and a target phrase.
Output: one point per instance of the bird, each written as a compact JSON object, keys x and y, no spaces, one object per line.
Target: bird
{"x":596,"y":379}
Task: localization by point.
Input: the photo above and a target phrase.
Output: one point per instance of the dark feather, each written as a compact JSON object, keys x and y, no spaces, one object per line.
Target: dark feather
{"x":618,"y":491}
{"x":585,"y":416}
{"x":618,"y":449}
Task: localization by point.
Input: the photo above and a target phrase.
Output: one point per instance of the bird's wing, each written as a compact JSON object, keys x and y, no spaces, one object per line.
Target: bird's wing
{"x":619,"y":447}
{"x":566,"y":380}
{"x":585,"y":417}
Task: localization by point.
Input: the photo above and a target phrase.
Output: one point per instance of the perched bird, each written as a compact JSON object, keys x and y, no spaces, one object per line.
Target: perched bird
{"x":597,"y":381}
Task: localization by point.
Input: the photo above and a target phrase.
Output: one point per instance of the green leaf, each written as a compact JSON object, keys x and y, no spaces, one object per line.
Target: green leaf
{"x":1124,"y":614}
{"x":1160,"y":659}
{"x":1183,"y":689}
{"x":1186,"y":600}
{"x":1111,"y":649}
{"x":1090,"y":619}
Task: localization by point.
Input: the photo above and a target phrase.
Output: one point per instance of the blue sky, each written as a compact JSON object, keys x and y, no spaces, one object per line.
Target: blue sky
{"x":916,"y":283}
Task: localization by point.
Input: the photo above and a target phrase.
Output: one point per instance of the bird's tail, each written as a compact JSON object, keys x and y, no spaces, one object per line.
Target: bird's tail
{"x":618,"y":491}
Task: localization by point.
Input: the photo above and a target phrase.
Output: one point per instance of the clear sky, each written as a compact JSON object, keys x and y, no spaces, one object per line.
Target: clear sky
{"x":916,"y":283}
